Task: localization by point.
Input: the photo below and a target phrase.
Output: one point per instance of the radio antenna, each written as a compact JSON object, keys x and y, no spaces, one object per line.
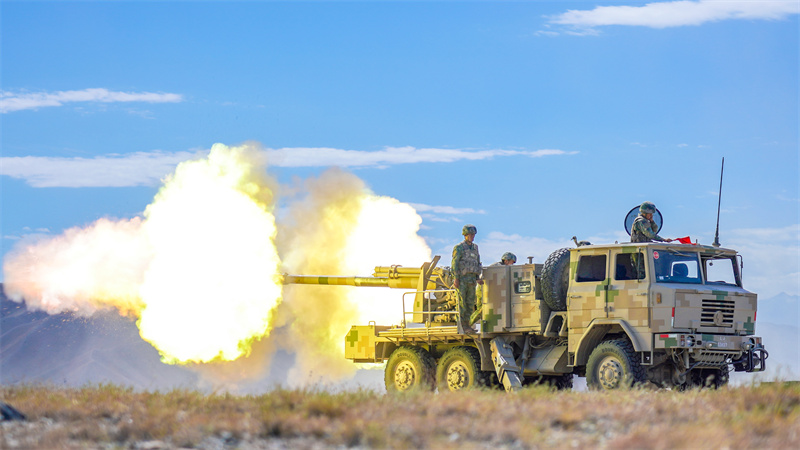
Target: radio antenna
{"x":719,"y":203}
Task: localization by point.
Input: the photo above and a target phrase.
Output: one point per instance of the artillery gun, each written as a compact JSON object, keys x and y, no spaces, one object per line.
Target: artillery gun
{"x":434,"y":298}
{"x":673,"y":315}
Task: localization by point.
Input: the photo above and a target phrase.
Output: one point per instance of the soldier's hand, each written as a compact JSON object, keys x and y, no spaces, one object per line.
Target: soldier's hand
{"x":670,"y":240}
{"x":456,"y":283}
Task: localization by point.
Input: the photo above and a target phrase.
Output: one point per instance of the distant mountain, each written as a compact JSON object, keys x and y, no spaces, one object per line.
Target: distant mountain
{"x":783,"y":309}
{"x":64,"y":349}
{"x":778,"y":323}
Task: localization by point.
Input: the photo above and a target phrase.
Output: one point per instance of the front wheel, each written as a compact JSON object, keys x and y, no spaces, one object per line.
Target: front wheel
{"x":408,"y":369}
{"x":614,"y":365}
{"x":460,"y":368}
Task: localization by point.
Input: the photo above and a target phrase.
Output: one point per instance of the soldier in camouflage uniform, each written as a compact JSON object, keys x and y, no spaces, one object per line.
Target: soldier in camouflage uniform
{"x":466,"y":267}
{"x":644,"y":228}
{"x":508,"y":259}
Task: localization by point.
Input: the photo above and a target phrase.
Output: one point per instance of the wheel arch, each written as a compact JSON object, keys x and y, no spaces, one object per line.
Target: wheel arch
{"x":597,"y":332}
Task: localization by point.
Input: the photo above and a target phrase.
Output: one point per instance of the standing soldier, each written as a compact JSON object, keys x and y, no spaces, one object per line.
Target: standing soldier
{"x":467,"y":269}
{"x":644,"y":228}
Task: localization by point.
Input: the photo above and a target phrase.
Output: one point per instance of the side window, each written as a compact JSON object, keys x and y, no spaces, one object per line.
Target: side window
{"x":591,"y":268}
{"x":629,"y":266}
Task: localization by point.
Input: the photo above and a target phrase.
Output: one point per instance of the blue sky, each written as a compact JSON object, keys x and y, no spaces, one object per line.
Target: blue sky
{"x":536,"y":121}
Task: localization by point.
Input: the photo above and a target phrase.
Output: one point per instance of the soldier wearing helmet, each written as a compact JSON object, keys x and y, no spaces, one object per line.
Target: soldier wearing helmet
{"x":466,"y":267}
{"x":508,"y":259}
{"x":644,"y":228}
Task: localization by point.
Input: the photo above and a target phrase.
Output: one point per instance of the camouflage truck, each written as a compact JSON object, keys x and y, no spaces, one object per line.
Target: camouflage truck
{"x":670,"y":315}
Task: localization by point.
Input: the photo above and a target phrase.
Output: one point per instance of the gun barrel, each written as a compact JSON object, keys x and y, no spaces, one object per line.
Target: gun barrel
{"x":398,"y":270}
{"x":400,"y":283}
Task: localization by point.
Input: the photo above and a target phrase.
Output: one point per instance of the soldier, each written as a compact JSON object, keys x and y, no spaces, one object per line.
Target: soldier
{"x":508,"y":259}
{"x":644,"y":228}
{"x":466,"y":269}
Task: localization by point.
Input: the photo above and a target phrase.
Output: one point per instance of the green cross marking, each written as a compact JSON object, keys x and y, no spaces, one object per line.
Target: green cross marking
{"x":491,"y":319}
{"x":720,"y":294}
{"x":352,"y":337}
{"x":610,"y":294}
{"x":750,"y":326}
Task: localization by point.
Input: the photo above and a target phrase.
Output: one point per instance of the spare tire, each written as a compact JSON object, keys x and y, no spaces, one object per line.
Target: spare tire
{"x":555,"y":279}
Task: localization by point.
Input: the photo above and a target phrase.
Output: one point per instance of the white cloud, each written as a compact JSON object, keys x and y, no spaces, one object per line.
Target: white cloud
{"x":771,"y":258}
{"x":18,"y":101}
{"x":445,"y":209}
{"x":494,"y":244}
{"x":678,"y":13}
{"x":135,"y":169}
{"x":322,"y":156}
{"x":443,"y":213}
{"x":148,"y":168}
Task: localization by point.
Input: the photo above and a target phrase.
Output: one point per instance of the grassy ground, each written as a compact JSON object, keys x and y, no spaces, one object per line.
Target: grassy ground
{"x":107,"y":416}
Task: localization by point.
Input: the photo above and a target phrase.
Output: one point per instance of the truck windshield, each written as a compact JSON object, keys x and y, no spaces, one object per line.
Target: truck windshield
{"x":720,"y":270}
{"x":673,"y":267}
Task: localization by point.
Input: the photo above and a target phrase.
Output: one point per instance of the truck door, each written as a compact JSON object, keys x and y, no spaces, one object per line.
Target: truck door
{"x":586,"y":297}
{"x":626,"y":296}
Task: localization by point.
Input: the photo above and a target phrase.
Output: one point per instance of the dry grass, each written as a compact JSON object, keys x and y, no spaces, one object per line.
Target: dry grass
{"x":107,"y":416}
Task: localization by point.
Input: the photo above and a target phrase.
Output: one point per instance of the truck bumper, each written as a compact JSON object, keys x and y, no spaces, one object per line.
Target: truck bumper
{"x":746,"y":353}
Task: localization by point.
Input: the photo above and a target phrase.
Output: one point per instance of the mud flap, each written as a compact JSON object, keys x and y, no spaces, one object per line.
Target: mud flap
{"x":508,"y":372}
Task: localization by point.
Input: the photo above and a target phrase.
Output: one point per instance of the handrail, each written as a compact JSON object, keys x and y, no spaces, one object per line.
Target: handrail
{"x":429,"y":312}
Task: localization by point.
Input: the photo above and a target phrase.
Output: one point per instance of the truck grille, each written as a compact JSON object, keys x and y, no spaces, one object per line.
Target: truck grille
{"x":717,"y":313}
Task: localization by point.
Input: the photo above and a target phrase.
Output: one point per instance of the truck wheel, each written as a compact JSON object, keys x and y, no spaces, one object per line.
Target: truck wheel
{"x":410,"y":368}
{"x":613,"y":365}
{"x":460,"y":368}
{"x":555,"y":279}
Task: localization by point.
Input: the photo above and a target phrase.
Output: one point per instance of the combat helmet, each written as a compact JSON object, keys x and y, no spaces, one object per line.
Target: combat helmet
{"x":508,"y":256}
{"x":647,"y":208}
{"x":469,"y":229}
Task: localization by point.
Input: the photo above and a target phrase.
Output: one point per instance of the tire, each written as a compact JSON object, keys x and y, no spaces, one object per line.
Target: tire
{"x":410,"y":369}
{"x":559,"y":382}
{"x":614,"y":365}
{"x":555,"y":279}
{"x":460,"y":369}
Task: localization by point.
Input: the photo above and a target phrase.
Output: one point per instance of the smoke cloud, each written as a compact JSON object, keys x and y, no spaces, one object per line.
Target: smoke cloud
{"x":201,"y":270}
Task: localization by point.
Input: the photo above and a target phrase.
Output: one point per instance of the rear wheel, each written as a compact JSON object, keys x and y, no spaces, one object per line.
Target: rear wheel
{"x":613,"y":365}
{"x":459,"y":369}
{"x":555,"y":279}
{"x":408,"y":369}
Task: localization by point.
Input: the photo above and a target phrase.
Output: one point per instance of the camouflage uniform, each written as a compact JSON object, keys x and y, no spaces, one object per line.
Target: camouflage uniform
{"x":467,"y":269}
{"x":644,"y":230}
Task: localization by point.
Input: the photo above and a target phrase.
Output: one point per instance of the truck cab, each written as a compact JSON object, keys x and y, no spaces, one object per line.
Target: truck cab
{"x":681,"y":307}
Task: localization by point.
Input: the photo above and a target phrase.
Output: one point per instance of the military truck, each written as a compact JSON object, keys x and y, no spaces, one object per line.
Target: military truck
{"x":664,"y":314}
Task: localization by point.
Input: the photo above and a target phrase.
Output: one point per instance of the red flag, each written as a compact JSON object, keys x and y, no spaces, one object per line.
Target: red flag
{"x":684,"y":240}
